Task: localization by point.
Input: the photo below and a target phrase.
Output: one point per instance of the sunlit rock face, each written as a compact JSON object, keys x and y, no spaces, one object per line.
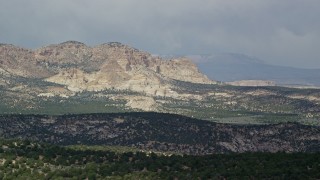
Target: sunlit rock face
{"x":111,"y":65}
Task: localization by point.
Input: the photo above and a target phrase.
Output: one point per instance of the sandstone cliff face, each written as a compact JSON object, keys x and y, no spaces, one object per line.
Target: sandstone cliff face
{"x":64,"y":55}
{"x":112,"y":65}
{"x":182,"y":69}
{"x":116,"y":66}
{"x":20,"y":62}
{"x":78,"y":68}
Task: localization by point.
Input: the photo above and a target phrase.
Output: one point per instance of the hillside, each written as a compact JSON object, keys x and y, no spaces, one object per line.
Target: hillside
{"x":113,"y":65}
{"x":220,"y":103}
{"x":33,"y":160}
{"x":161,"y":132}
{"x":113,"y":96}
{"x":72,"y":77}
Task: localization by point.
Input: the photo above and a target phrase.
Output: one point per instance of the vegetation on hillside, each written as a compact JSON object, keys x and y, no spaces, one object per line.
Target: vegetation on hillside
{"x":31,"y":160}
{"x":214,"y":102}
{"x":161,"y":132}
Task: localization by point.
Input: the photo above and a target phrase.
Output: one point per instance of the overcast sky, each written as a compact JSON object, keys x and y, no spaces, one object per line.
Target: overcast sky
{"x":283,"y":32}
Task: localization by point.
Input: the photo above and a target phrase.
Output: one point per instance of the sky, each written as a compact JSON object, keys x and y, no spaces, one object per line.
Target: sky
{"x":280,"y":32}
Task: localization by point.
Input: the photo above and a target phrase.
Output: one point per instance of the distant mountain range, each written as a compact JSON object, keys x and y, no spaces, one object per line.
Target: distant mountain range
{"x":235,"y":67}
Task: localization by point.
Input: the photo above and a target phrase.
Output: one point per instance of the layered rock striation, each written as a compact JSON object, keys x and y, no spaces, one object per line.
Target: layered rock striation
{"x":106,"y":66}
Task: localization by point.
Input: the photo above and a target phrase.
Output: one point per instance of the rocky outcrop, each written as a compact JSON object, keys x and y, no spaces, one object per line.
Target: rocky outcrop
{"x":182,"y":69}
{"x":20,"y":62}
{"x":119,"y":66}
{"x":112,"y":65}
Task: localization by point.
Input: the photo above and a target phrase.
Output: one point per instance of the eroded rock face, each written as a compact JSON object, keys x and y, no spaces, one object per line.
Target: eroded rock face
{"x":76,"y":67}
{"x":69,"y":53}
{"x":20,"y":62}
{"x":184,"y":70}
{"x":113,"y":65}
{"x":116,"y":66}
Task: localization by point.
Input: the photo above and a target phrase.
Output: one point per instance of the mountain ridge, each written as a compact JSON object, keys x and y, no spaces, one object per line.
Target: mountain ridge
{"x":109,"y":65}
{"x":113,"y":77}
{"x":236,"y":67}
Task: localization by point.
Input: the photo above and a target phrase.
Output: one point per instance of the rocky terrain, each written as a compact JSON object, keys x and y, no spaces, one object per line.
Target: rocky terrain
{"x":161,"y":132}
{"x":113,"y":65}
{"x":72,"y":77}
{"x":71,"y":67}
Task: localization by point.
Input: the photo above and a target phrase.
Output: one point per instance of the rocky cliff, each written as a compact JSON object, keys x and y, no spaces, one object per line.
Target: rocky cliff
{"x":107,"y":66}
{"x":72,"y":77}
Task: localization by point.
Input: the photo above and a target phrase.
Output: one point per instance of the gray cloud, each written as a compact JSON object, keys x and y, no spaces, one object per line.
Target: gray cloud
{"x":285,"y":32}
